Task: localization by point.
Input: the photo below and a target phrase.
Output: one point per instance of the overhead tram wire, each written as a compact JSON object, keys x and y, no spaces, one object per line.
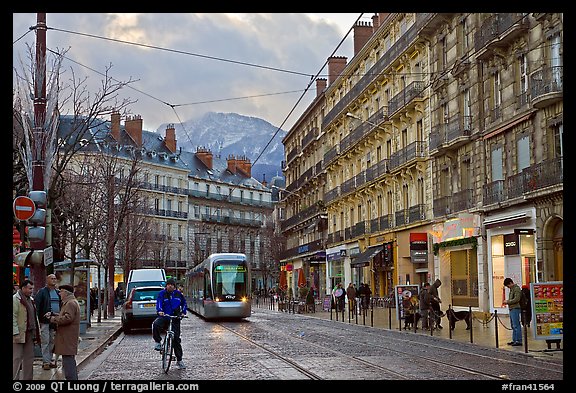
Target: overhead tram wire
{"x":303,"y":94}
{"x":181,"y":52}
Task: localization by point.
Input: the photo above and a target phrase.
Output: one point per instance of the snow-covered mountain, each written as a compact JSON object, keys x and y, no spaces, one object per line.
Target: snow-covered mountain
{"x":231,"y":133}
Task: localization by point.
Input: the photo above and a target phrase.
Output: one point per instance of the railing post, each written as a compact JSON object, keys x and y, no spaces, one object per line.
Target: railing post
{"x":450,"y":312}
{"x":471,"y":323}
{"x":389,"y":317}
{"x":496,"y":326}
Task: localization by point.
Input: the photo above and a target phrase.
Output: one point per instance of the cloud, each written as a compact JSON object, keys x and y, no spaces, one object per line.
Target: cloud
{"x":188,"y":71}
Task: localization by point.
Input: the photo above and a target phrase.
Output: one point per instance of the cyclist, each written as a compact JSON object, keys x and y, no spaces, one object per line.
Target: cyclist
{"x":170,"y":301}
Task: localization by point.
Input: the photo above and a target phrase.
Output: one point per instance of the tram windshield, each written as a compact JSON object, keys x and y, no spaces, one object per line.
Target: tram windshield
{"x":230,"y":278}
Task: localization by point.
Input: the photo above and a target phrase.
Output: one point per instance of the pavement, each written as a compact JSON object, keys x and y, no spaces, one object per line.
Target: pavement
{"x":486,"y":331}
{"x":95,"y":340}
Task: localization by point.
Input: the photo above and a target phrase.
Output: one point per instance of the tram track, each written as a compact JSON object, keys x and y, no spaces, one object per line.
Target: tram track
{"x":452,"y":362}
{"x":351,"y":358}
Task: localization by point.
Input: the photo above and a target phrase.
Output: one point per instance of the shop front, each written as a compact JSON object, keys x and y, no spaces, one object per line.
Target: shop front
{"x":511,"y":253}
{"x":335,"y":257}
{"x":456,"y":246}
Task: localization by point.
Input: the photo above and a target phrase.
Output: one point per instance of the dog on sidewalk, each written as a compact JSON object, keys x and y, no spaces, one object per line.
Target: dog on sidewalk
{"x":455,"y":316}
{"x":410,"y":320}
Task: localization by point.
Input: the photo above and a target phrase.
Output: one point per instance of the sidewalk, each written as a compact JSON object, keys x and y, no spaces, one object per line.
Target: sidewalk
{"x":483,"y":331}
{"x":92,"y":343}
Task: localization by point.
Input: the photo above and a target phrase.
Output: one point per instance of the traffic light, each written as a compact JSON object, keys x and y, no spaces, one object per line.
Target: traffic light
{"x":37,"y":228}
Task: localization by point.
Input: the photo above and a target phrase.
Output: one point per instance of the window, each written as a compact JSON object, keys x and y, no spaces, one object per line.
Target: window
{"x":466,"y":103}
{"x":558,"y":132}
{"x":169,"y":204}
{"x":465,"y":44}
{"x":465,"y":175}
{"x":523,"y":152}
{"x":496,"y":163}
{"x":497,"y":92}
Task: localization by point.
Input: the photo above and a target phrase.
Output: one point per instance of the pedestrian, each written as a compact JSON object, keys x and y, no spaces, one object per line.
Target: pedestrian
{"x":514,"y":311}
{"x":424,"y":298}
{"x":93,"y":300}
{"x":25,"y":331}
{"x":339,"y":295}
{"x":47,"y":300}
{"x":170,"y":302}
{"x":361,"y":293}
{"x":15,"y":288}
{"x":351,"y":295}
{"x":68,"y":331}
{"x":435,"y":303}
{"x":367,"y":295}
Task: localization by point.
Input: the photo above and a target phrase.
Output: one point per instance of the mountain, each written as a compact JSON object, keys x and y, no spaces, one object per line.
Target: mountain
{"x":231,"y":133}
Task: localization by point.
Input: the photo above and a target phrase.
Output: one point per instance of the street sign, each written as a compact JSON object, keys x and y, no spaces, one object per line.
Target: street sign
{"x":24,"y":208}
{"x":48,"y":255}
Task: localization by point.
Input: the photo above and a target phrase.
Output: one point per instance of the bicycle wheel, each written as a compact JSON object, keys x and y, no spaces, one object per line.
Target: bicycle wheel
{"x":167,"y":353}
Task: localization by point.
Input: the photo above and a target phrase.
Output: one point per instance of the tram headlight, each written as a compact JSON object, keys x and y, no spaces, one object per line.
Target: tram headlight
{"x":244,"y":299}
{"x":217,"y":299}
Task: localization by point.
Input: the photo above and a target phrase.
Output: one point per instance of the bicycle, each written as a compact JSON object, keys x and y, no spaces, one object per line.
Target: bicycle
{"x":167,"y":350}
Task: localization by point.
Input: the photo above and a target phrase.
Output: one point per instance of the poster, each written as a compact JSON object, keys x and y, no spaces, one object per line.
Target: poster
{"x":548,"y":310}
{"x":400,"y":292}
{"x":80,"y":288}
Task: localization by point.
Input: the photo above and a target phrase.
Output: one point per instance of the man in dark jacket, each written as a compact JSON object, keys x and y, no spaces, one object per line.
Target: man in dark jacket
{"x":424,"y":298}
{"x":172,"y":302}
{"x":47,"y":300}
{"x":435,"y":302}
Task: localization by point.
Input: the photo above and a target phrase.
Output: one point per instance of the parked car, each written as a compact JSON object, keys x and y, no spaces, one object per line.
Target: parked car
{"x":139,"y":309}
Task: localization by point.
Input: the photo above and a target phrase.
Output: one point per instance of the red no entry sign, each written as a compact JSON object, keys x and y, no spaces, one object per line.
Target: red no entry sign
{"x":24,"y":208}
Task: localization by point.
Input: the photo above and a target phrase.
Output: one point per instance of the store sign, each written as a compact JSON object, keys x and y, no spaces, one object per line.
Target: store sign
{"x":511,"y":244}
{"x":419,"y":247}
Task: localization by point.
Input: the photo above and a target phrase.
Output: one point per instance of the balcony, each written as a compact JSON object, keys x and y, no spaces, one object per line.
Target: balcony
{"x":498,"y":31}
{"x":442,"y":206}
{"x":331,"y":195}
{"x":292,"y":154}
{"x":401,"y":217}
{"x":359,"y":229}
{"x":417,"y":213}
{"x":330,"y":155}
{"x":386,"y":222}
{"x":301,"y":216}
{"x":545,"y":174}
{"x":405,"y":97}
{"x":462,"y":200}
{"x":309,"y":137}
{"x":494,"y":192}
{"x":412,"y":152}
{"x":378,"y":69}
{"x":377,"y":170}
{"x":547,"y":86}
{"x":451,"y":135}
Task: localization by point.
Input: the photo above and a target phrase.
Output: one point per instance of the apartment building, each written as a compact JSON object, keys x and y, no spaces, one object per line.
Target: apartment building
{"x":303,"y":199}
{"x":192,"y":204}
{"x":442,"y":151}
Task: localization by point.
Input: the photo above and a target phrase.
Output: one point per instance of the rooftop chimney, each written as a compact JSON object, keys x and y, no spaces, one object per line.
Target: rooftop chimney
{"x":115,"y":126}
{"x":362,"y":33}
{"x":264,"y":182}
{"x":133,"y":127}
{"x":375,"y":23}
{"x":239,"y":165}
{"x":204,"y":155}
{"x":320,"y":85}
{"x":336,"y":65}
{"x":170,"y":139}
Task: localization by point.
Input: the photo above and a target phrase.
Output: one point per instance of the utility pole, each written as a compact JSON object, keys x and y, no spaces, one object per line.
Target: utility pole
{"x":38,"y":271}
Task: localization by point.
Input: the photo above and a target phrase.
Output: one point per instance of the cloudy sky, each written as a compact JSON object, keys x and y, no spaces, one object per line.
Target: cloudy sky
{"x":188,"y":64}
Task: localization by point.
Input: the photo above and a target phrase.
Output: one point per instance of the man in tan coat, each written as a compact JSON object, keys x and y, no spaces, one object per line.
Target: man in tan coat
{"x":25,"y":331}
{"x":68,"y":332}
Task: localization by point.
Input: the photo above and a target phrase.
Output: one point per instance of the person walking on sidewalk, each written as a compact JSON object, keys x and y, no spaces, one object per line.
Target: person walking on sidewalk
{"x":47,"y":300}
{"x":68,"y":331}
{"x":351,"y":295}
{"x":425,"y":306}
{"x":435,"y":303}
{"x":172,"y":302}
{"x":25,"y":331}
{"x":514,"y":310}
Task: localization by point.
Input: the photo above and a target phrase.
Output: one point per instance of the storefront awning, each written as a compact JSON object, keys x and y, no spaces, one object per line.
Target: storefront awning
{"x":363,"y":259}
{"x":506,"y":220}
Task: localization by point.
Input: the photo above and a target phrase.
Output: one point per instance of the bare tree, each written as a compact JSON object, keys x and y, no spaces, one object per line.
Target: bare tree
{"x":87,"y":112}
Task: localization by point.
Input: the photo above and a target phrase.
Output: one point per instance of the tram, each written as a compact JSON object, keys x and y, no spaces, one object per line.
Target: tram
{"x":219,"y":287}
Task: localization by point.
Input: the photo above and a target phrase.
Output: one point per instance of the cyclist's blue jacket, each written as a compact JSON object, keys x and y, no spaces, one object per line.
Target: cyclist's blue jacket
{"x":171,"y":304}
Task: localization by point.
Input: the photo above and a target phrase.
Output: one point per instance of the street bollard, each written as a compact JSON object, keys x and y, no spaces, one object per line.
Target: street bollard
{"x":389,"y":318}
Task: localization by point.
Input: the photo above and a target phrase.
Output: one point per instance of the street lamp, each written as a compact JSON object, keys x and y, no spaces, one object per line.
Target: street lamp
{"x":283,"y":190}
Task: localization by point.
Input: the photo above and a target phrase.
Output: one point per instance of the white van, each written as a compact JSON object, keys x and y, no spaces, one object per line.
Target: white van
{"x":145,"y":277}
